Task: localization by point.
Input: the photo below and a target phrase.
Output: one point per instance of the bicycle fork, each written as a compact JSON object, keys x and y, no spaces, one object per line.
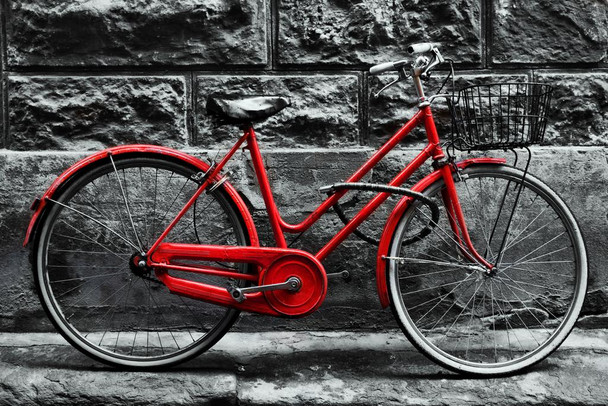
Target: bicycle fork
{"x":456,"y":219}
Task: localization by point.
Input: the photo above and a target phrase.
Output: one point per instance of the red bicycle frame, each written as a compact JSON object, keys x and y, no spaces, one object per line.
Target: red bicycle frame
{"x":160,"y":254}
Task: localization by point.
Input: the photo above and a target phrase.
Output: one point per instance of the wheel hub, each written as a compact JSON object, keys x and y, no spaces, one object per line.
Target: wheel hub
{"x":138,"y":266}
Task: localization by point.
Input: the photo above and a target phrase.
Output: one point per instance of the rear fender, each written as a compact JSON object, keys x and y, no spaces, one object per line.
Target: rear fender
{"x":40,"y":204}
{"x":395,"y":216}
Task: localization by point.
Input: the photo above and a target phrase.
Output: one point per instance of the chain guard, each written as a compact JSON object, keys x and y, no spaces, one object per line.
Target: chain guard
{"x":312,"y":290}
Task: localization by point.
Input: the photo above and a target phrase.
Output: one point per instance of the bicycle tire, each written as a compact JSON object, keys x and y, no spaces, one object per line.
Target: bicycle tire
{"x":82,"y":272}
{"x":490,"y":325}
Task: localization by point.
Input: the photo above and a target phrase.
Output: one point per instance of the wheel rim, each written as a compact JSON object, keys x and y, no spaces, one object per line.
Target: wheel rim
{"x":96,"y":298}
{"x":499,"y":323}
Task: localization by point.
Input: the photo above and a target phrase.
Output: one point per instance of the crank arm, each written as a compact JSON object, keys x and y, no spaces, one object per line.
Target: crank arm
{"x":292,"y":284}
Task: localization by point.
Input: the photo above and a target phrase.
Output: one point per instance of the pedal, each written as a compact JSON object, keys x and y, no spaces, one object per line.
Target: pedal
{"x":344,"y":275}
{"x":235,"y":292}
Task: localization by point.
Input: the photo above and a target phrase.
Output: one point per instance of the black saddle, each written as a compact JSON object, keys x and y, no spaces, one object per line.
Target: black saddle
{"x":244,"y":110}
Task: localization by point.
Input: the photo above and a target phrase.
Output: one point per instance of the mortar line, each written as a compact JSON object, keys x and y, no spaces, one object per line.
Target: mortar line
{"x":487,"y":20}
{"x":191,"y":109}
{"x":364,"y":136}
{"x":273,"y":34}
{"x":4,"y":134}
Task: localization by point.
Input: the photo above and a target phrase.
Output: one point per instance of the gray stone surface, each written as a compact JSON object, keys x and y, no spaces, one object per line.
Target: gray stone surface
{"x":549,"y":31}
{"x":313,"y":368}
{"x":396,"y":105}
{"x":295,"y":176}
{"x":132,"y":32}
{"x":93,"y":112}
{"x":579,"y":109}
{"x":368,"y":32}
{"x":324,"y":110}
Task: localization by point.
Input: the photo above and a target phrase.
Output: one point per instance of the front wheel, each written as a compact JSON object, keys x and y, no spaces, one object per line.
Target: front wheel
{"x":85,"y":262}
{"x":496,"y":323}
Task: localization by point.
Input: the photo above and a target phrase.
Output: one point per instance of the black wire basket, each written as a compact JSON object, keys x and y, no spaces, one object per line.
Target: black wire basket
{"x":499,"y":115}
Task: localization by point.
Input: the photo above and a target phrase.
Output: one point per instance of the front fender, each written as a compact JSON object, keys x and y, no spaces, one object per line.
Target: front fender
{"x":40,"y":204}
{"x":395,"y":216}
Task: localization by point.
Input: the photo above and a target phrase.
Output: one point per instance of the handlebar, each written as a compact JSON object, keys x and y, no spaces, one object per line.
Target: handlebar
{"x":420,"y":48}
{"x":386,"y":66}
{"x":420,"y":68}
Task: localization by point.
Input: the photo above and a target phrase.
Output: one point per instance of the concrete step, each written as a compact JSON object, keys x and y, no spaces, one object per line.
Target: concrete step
{"x":295,"y":368}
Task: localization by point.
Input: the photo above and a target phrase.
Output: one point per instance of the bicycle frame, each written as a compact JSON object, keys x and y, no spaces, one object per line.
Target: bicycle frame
{"x":160,"y":254}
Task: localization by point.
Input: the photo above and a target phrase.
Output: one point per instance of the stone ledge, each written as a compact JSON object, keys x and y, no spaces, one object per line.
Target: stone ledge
{"x":579,"y":174}
{"x":278,"y":368}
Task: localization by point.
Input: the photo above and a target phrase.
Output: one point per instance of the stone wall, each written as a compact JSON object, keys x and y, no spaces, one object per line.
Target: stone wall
{"x":79,"y":75}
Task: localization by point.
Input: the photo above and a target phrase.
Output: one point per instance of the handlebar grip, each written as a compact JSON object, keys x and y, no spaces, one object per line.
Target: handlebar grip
{"x":420,"y":48}
{"x":381,"y":68}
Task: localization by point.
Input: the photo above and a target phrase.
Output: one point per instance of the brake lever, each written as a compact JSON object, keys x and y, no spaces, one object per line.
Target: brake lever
{"x":402,"y":76}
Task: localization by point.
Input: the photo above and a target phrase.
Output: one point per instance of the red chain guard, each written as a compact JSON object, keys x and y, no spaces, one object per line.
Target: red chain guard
{"x":312,"y":290}
{"x":276,"y":264}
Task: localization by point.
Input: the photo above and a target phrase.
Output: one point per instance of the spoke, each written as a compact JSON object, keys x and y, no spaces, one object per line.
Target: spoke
{"x":87,"y":277}
{"x":514,"y":243}
{"x":97,"y":306}
{"x":186,"y":226}
{"x":541,"y":272}
{"x":83,"y":251}
{"x":117,"y":254}
{"x":532,"y":295}
{"x":94,"y":220}
{"x":124,"y":196}
{"x":459,"y":314}
{"x":442,"y":263}
{"x":427,"y":274}
{"x":438,"y":286}
{"x":515,"y":240}
{"x":506,"y":319}
{"x":541,"y":324}
{"x":494,"y":323}
{"x":481,"y":216}
{"x":434,"y":230}
{"x":163,"y":317}
{"x":173,"y":202}
{"x":145,"y":212}
{"x":438,"y":303}
{"x":483,"y":299}
{"x":153,"y":236}
{"x":124,"y":306}
{"x":519,"y":261}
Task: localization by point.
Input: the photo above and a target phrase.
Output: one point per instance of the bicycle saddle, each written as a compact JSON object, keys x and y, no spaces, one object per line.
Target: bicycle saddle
{"x":243,"y":110}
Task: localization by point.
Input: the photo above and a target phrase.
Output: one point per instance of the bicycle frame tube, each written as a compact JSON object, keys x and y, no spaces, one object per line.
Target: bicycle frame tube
{"x":279,"y":225}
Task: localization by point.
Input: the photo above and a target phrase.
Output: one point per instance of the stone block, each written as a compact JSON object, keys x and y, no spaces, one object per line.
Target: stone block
{"x":396,"y":105}
{"x":324,"y":110}
{"x":94,"y":112}
{"x":549,"y":31}
{"x":132,"y":32}
{"x":369,"y":32}
{"x":579,"y":108}
{"x":579,"y":175}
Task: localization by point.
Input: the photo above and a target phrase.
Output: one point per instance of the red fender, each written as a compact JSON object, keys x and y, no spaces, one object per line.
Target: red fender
{"x":40,"y":203}
{"x":395,"y":216}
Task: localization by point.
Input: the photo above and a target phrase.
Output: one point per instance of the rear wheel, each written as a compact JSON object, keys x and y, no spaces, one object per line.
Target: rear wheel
{"x":84,"y":253}
{"x":490,"y":324}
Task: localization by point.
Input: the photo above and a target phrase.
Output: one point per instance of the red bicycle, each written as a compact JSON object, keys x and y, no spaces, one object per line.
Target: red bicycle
{"x":143,"y":256}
